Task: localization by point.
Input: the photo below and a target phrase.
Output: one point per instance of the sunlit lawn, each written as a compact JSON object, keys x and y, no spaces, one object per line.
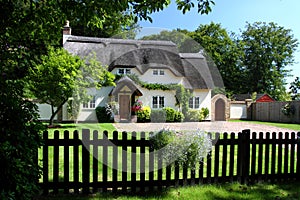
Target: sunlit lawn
{"x":224,"y":191}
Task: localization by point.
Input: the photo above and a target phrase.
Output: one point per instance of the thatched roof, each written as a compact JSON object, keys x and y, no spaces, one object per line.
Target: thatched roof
{"x":147,"y":54}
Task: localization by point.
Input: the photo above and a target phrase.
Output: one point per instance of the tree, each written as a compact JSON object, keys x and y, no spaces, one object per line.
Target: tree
{"x":295,"y":89}
{"x":268,"y":49}
{"x":184,"y":43}
{"x":28,"y":28}
{"x":225,"y":53}
{"x":20,"y":138}
{"x":62,"y":76}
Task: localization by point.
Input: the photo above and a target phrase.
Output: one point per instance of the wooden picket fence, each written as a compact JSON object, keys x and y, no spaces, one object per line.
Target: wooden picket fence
{"x":88,"y":162}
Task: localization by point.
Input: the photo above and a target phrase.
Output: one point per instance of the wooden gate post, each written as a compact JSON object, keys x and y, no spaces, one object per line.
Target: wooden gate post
{"x":243,"y":158}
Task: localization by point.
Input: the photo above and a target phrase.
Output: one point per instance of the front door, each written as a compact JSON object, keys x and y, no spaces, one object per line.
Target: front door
{"x":124,"y":102}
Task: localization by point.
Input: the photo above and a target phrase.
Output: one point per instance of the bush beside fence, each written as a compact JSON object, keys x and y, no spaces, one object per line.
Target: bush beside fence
{"x":92,"y":161}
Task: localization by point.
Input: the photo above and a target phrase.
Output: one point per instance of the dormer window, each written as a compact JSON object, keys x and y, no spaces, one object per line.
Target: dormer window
{"x":123,"y":71}
{"x":157,"y":72}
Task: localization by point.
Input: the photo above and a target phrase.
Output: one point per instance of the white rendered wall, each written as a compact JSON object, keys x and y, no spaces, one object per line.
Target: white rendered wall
{"x":205,"y":99}
{"x":167,"y":78}
{"x":45,"y":111}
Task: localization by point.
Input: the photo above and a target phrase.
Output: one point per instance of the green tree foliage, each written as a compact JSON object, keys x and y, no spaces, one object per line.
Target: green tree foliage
{"x":184,"y":43}
{"x":28,"y":28}
{"x":295,"y":89}
{"x":20,"y":138}
{"x":268,"y":49}
{"x":61,"y":76}
{"x":225,"y":53}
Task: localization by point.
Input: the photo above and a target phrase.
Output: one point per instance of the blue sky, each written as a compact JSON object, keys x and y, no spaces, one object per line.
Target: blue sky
{"x":233,"y":15}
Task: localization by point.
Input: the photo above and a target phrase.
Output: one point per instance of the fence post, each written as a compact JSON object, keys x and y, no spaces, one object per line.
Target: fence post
{"x":298,"y":157}
{"x":45,"y":164}
{"x":85,"y":160}
{"x":243,"y":156}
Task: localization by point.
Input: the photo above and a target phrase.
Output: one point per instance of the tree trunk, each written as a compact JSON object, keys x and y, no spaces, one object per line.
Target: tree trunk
{"x":54,"y":113}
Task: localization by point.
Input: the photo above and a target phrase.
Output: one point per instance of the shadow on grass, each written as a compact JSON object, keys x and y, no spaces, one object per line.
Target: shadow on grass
{"x":108,"y":195}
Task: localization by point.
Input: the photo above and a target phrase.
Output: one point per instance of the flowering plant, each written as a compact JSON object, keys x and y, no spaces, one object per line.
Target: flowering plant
{"x":137,"y":105}
{"x":288,"y":109}
{"x":188,"y":148}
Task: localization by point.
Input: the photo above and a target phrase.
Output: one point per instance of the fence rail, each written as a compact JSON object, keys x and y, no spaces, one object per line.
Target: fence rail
{"x":92,"y":161}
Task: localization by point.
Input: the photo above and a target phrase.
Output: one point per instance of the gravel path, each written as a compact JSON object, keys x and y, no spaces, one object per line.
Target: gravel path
{"x":206,"y":126}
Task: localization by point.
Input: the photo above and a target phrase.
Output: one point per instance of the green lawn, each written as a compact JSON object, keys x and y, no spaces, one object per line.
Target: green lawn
{"x":261,"y":191}
{"x":225,"y":191}
{"x":295,"y":127}
{"x":92,"y":126}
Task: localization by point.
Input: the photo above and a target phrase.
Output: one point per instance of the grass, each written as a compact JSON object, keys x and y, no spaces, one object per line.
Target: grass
{"x":224,"y":191}
{"x":92,"y":126}
{"x":110,"y":155}
{"x":260,"y":191}
{"x":295,"y":127}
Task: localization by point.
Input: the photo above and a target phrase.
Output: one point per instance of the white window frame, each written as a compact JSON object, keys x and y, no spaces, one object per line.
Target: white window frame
{"x":125,"y":71}
{"x":158,"y":72}
{"x":90,"y":104}
{"x":161,"y":72}
{"x":160,"y":102}
{"x":194,"y":102}
{"x":155,"y":72}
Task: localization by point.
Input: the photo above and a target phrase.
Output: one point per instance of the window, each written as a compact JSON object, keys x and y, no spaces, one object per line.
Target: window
{"x":127,"y":71}
{"x":158,"y":102}
{"x":121,"y":71}
{"x":157,"y":72}
{"x":124,"y":71}
{"x":194,"y":102}
{"x":90,"y":104}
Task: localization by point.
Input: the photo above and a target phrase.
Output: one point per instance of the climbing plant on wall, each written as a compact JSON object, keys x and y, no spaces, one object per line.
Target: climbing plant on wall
{"x":182,"y":94}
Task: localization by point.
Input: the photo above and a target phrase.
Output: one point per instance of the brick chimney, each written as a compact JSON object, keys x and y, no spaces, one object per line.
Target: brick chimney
{"x":66,"y":31}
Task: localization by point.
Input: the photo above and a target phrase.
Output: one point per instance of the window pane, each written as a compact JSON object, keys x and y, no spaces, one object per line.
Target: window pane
{"x":191,"y":103}
{"x":154,"y":102}
{"x":161,"y":102}
{"x":155,"y":72}
{"x":85,"y":105}
{"x":93,"y":103}
{"x":121,"y":71}
{"x":161,"y":72}
{"x":197,"y":102}
{"x":128,"y":71}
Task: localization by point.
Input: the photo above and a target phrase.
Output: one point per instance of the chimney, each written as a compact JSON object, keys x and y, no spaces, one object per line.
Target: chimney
{"x":66,"y":31}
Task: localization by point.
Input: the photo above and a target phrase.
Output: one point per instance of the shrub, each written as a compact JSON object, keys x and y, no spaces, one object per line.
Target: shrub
{"x":103,"y":114}
{"x":197,"y":115}
{"x":144,"y":114}
{"x":161,"y":139}
{"x":158,"y":116}
{"x":193,"y":116}
{"x":187,"y":148}
{"x":204,"y":112}
{"x":170,"y":114}
{"x":179,"y":117}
